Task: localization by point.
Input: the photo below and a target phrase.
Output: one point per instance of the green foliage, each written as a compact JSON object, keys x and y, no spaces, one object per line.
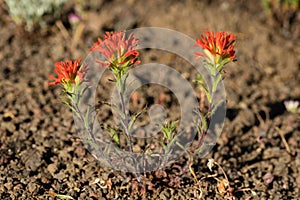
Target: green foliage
{"x":169,"y":130}
{"x":32,"y":11}
{"x":199,"y":80}
{"x":283,"y":14}
{"x":61,"y":196}
{"x":276,"y":7}
{"x":114,"y":135}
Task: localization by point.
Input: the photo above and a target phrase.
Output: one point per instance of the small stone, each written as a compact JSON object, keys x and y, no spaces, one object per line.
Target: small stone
{"x":8,"y":185}
{"x":298,"y":180}
{"x":31,"y":187}
{"x":60,"y":176}
{"x":80,"y":151}
{"x":268,"y":178}
{"x":44,"y":180}
{"x":136,"y":149}
{"x":52,"y":168}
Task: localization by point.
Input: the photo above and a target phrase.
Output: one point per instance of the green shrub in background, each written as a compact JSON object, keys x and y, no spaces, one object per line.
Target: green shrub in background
{"x":272,"y":6}
{"x":32,"y":11}
{"x":284,"y":14}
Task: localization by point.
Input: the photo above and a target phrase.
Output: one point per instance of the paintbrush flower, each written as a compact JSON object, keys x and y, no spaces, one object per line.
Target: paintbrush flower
{"x":118,"y":50}
{"x":218,"y":47}
{"x":68,"y":73}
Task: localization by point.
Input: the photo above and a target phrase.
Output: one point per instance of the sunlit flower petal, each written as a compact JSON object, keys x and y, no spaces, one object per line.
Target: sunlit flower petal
{"x":67,"y":72}
{"x":117,"y":49}
{"x":218,"y":46}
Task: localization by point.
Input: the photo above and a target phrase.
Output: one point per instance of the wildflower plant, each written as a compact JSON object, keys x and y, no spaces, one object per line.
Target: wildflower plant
{"x":218,"y":50}
{"x":118,"y":53}
{"x":70,"y":74}
{"x":291,"y":106}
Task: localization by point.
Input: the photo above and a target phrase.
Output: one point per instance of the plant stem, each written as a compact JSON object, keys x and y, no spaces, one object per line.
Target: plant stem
{"x":187,"y":166}
{"x":125,"y":123}
{"x":89,"y":129}
{"x":203,"y":132}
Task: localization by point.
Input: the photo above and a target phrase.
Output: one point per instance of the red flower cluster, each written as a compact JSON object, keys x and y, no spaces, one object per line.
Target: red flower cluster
{"x":117,"y":49}
{"x":219,"y":44}
{"x":67,"y":72}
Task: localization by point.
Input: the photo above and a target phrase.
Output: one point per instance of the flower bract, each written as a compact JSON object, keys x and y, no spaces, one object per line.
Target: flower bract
{"x":218,"y":47}
{"x":68,"y":73}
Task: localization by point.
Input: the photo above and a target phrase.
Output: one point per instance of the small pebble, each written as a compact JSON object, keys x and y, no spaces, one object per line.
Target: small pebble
{"x":268,"y":178}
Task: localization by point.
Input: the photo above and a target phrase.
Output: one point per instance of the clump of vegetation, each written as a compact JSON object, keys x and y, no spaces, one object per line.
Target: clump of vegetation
{"x":31,"y":12}
{"x":283,"y":13}
{"x":285,"y":5}
{"x":114,"y":147}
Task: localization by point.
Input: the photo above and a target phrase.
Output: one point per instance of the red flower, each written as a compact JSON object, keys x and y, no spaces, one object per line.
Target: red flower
{"x":117,"y":49}
{"x":219,"y":45}
{"x":67,"y":72}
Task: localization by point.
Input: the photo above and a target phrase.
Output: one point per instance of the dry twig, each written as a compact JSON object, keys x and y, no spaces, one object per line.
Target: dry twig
{"x":283,"y":140}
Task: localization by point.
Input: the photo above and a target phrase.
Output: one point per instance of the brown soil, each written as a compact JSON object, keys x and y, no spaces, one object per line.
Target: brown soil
{"x":39,"y":148}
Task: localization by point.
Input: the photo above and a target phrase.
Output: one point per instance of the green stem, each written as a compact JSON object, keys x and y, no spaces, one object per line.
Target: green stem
{"x":88,"y":127}
{"x":216,"y":78}
{"x":121,"y":82}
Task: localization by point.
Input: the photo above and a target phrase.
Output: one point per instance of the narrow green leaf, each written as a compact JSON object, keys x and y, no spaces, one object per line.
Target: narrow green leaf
{"x":162,"y":144}
{"x":216,"y":106}
{"x":182,"y":147}
{"x":131,"y":123}
{"x":203,"y":122}
{"x":86,"y":118}
{"x":208,"y":96}
{"x":119,"y":111}
{"x":114,"y":135}
{"x":61,"y":196}
{"x":216,"y":82}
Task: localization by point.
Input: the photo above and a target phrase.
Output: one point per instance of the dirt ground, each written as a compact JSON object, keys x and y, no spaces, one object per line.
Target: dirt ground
{"x":259,"y":148}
